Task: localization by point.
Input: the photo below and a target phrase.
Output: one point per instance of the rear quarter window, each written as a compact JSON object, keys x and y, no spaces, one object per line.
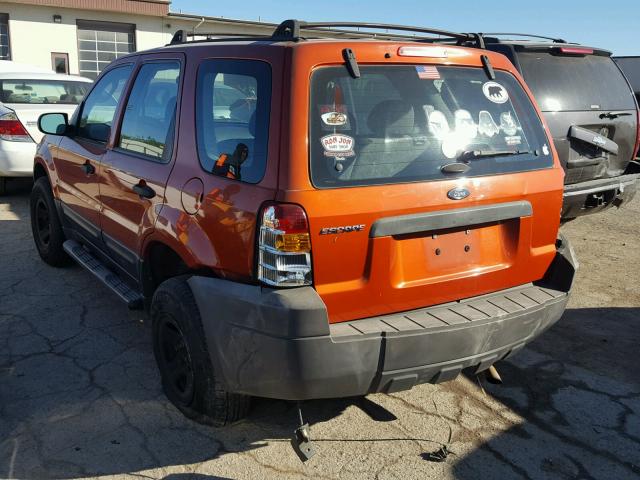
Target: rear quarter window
{"x":42,"y":91}
{"x":233,"y":101}
{"x":575,"y":83}
{"x":399,"y":124}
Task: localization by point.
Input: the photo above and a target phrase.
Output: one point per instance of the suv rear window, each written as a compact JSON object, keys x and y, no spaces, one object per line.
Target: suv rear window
{"x":566,"y":83}
{"x":399,"y":124}
{"x":42,"y":91}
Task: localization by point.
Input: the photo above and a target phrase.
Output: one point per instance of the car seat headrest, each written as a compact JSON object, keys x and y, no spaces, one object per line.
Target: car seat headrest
{"x":392,"y":118}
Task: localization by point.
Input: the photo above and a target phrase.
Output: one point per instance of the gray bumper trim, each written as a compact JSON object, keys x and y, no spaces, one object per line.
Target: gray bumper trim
{"x":618,"y":191}
{"x":279,"y":344}
{"x":441,"y":219}
{"x":593,"y":186}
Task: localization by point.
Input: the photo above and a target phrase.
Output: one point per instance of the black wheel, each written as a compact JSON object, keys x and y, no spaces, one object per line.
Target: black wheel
{"x":45,"y":225}
{"x":3,"y":185}
{"x":179,"y":345}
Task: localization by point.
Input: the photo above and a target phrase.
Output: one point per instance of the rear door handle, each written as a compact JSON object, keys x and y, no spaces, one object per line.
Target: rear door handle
{"x":595,"y":139}
{"x":144,"y":190}
{"x":88,"y":169}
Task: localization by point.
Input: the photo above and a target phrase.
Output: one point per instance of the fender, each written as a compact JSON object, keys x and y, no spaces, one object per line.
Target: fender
{"x":45,"y":154}
{"x":197,"y":246}
{"x":182,"y":233}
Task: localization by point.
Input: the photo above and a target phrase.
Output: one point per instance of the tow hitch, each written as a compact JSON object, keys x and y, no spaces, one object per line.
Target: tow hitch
{"x":600,"y":199}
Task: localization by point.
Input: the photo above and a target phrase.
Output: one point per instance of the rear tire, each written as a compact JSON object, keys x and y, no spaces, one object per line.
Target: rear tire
{"x":3,"y":185}
{"x":179,"y":345}
{"x":45,"y":225}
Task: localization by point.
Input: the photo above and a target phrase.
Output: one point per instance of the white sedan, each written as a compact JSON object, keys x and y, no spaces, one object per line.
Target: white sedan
{"x":24,"y":96}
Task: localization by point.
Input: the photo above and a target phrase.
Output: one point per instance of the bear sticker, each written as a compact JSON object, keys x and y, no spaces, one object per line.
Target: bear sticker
{"x":495,"y":92}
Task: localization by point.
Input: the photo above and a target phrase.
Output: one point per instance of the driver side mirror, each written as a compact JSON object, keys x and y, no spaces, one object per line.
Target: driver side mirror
{"x":53,"y":123}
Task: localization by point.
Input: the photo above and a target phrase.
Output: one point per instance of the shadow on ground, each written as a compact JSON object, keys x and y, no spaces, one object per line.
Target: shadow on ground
{"x":574,"y":398}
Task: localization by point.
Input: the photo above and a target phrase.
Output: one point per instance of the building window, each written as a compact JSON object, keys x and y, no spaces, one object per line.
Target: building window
{"x":5,"y":51}
{"x":60,"y":62}
{"x":99,"y":43}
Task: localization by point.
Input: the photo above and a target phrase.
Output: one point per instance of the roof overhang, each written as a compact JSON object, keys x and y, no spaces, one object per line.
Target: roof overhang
{"x":154,"y":8}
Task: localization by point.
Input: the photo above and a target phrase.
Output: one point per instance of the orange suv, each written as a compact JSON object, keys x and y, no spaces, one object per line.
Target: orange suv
{"x":319,"y":213}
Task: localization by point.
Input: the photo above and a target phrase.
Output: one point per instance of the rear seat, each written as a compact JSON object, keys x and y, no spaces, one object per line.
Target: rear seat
{"x":391,"y":146}
{"x":240,"y":134}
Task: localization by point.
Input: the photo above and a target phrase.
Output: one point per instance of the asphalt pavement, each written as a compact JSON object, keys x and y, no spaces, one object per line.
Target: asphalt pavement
{"x":80,"y":396}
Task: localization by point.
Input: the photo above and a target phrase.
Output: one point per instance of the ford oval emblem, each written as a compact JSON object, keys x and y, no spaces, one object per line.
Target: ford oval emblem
{"x":458,"y":193}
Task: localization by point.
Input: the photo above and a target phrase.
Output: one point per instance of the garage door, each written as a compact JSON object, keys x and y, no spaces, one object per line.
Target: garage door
{"x":99,"y":43}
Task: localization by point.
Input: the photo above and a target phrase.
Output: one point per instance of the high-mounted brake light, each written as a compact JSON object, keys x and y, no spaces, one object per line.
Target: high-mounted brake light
{"x":11,"y":129}
{"x":430,"y":52}
{"x":575,"y":51}
{"x":284,"y":246}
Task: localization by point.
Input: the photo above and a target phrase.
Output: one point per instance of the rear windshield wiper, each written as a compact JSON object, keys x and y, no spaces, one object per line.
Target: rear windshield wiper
{"x":475,"y":154}
{"x":614,"y":115}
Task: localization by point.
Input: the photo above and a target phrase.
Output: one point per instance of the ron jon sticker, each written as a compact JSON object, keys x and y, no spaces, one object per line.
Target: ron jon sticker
{"x":337,"y":145}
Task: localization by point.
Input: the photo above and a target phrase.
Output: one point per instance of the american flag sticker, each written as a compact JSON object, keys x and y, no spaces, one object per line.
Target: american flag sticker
{"x":428,"y":72}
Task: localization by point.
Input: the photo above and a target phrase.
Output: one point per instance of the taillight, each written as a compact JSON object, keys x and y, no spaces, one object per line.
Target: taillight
{"x":12,"y":129}
{"x":284,"y":246}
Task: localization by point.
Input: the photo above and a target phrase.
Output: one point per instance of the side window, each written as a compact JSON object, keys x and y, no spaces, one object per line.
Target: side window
{"x":233,"y":101}
{"x":148,"y":125}
{"x":100,"y":107}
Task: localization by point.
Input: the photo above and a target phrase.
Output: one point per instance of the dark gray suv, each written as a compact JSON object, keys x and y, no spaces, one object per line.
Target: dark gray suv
{"x":592,"y":113}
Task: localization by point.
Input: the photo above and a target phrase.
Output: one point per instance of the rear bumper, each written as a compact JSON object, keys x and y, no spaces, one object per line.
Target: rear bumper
{"x":597,"y":195}
{"x":16,"y":158}
{"x":279,"y":344}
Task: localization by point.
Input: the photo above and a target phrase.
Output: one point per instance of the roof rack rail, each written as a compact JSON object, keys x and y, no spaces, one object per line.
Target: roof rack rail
{"x":291,"y":30}
{"x":182,"y":36}
{"x":554,"y":40}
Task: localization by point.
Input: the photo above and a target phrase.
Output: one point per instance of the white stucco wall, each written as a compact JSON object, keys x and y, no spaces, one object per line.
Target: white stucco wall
{"x":34,"y":35}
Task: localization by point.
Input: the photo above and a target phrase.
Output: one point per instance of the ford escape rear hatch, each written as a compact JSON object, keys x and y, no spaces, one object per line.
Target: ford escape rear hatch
{"x":433,"y":186}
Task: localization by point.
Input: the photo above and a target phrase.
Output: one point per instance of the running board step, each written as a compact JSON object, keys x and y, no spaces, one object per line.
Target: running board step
{"x":81,"y":255}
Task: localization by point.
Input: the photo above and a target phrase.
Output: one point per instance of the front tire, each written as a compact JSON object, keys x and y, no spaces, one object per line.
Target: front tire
{"x":45,"y":225}
{"x":179,"y":345}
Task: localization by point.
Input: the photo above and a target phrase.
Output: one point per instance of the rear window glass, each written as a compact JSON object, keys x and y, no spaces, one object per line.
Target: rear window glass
{"x":42,"y":91}
{"x":399,"y":124}
{"x":233,"y":101}
{"x":565,"y":83}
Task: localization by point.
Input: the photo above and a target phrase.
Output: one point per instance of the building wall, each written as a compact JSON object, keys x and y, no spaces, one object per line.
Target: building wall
{"x":34,"y":35}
